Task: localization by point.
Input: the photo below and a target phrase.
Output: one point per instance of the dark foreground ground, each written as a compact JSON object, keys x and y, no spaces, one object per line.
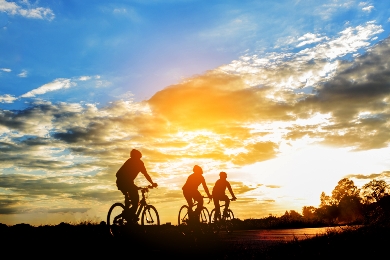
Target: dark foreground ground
{"x":166,"y":242}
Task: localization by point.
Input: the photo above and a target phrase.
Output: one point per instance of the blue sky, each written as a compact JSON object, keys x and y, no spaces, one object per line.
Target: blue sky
{"x":144,"y":46}
{"x":269,"y":91}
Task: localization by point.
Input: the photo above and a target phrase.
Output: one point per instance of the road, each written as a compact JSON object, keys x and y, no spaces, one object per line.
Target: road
{"x":276,"y":235}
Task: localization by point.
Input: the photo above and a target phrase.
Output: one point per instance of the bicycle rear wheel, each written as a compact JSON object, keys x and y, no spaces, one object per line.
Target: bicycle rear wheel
{"x":115,"y":219}
{"x":183,"y":219}
{"x":204,"y":218}
{"x":229,"y":221}
{"x":214,"y":222}
{"x":150,"y":216}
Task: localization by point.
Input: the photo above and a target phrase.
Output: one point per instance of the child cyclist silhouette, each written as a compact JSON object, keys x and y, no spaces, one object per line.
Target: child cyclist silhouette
{"x":219,"y":193}
{"x":190,"y":190}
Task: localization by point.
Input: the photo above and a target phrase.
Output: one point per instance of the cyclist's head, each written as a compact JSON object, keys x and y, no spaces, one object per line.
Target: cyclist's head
{"x":135,"y":154}
{"x":223,"y":175}
{"x":197,"y":169}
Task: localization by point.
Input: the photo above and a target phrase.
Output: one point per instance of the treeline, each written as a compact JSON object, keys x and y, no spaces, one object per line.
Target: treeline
{"x":346,"y":205}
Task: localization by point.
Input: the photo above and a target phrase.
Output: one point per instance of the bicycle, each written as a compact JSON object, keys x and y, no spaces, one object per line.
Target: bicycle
{"x":117,"y":219}
{"x":217,"y":223}
{"x":184,"y":219}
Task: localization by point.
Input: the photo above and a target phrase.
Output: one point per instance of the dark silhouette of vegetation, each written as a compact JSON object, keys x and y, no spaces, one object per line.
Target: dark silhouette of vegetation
{"x":368,"y":206}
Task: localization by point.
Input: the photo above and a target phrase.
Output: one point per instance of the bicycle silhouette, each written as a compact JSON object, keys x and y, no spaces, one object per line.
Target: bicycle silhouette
{"x":187,"y":221}
{"x":117,"y":219}
{"x":217,"y":223}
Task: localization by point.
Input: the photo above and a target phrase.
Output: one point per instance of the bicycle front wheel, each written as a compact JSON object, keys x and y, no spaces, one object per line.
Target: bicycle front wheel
{"x":150,"y":216}
{"x":115,"y":219}
{"x":204,"y":216}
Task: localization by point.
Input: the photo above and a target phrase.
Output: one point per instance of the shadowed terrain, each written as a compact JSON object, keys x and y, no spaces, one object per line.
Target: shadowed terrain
{"x":94,"y":240}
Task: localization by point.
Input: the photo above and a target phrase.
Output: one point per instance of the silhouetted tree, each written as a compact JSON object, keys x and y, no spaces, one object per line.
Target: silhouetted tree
{"x":350,"y":209}
{"x":325,"y":200}
{"x":345,"y":187}
{"x":374,"y":191}
{"x":309,"y":213}
{"x":328,"y":213}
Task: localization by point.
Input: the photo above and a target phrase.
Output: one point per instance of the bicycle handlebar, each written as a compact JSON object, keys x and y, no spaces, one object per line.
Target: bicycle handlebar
{"x":146,"y":188}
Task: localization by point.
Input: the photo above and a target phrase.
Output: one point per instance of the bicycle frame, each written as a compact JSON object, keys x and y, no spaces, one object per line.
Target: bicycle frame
{"x":142,"y":203}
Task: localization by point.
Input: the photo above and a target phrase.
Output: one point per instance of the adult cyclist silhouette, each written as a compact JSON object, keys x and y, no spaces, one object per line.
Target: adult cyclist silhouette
{"x":219,"y":193}
{"x":125,"y":181}
{"x":190,"y":189}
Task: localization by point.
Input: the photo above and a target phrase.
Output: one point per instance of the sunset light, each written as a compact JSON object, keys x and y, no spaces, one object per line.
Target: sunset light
{"x":287,"y":98}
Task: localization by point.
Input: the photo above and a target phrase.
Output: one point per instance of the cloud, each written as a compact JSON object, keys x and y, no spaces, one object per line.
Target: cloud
{"x":384,"y":174}
{"x":23,"y":74}
{"x":26,"y":10}
{"x":368,"y":8}
{"x":310,"y":38}
{"x":7,"y":99}
{"x":5,"y":70}
{"x":52,"y":86}
{"x":85,"y":78}
{"x":273,"y":186}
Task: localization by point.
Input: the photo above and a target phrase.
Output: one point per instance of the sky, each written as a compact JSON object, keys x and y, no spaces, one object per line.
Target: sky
{"x":287,"y":97}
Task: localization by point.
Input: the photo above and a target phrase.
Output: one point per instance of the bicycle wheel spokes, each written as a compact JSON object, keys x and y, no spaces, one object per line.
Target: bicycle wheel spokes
{"x":115,"y":219}
{"x":204,"y":216}
{"x":150,"y":216}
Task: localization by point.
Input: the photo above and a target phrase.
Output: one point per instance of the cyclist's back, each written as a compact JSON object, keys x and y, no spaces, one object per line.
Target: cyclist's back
{"x":128,"y":172}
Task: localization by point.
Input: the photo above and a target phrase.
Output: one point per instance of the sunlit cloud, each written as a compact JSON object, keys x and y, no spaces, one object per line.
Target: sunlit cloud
{"x":26,"y":10}
{"x":5,"y":69}
{"x":252,"y":118}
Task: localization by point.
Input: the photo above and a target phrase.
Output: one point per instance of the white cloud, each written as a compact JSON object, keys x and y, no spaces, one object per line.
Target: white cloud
{"x":310,"y":38}
{"x":23,"y":74}
{"x":7,"y":99}
{"x":52,"y":86}
{"x":326,"y":11}
{"x":294,"y":70}
{"x":84,"y":78}
{"x":368,"y":8}
{"x":5,"y":70}
{"x":26,"y":10}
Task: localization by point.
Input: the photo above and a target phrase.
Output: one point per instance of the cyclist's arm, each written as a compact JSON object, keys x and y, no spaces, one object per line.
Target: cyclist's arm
{"x":147,"y":176}
{"x":205,"y":188}
{"x":230,"y":190}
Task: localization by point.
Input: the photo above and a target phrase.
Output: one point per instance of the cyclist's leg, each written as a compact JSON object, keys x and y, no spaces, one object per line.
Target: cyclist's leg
{"x":227,"y":203}
{"x":216,"y":206}
{"x":198,"y":197}
{"x":188,"y":195}
{"x":134,"y":198}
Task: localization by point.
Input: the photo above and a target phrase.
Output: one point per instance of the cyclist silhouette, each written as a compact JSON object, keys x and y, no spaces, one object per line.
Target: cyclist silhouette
{"x":190,"y":190}
{"x":219,"y":193}
{"x":125,"y":181}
